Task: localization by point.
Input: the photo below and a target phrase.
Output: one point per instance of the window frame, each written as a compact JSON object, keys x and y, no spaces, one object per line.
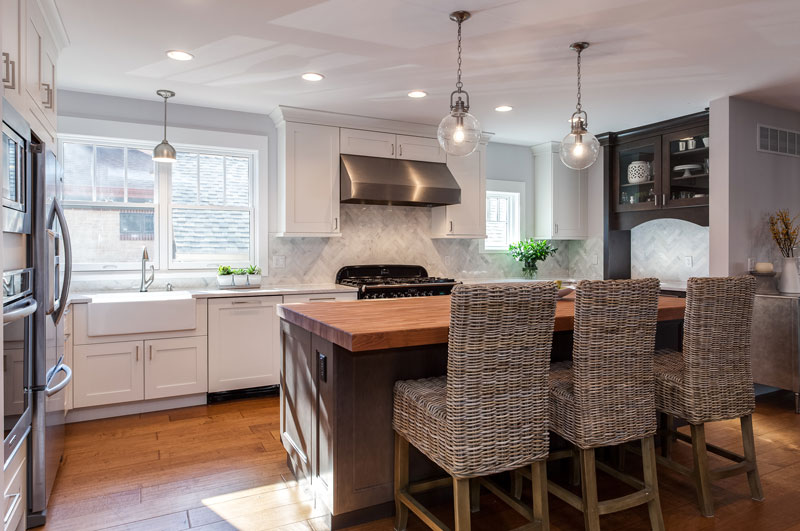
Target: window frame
{"x":509,"y":187}
{"x":162,"y":221}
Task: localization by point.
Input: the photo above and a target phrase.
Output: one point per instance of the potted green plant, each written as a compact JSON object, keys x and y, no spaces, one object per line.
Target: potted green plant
{"x":240,"y":278}
{"x":254,"y":276}
{"x":224,"y":276}
{"x":530,"y":252}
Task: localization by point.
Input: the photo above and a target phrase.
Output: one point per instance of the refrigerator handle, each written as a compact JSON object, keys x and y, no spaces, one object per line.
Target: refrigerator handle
{"x":50,"y":391}
{"x":57,"y":211}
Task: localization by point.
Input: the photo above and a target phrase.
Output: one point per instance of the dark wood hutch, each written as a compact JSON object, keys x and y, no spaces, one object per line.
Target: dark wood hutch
{"x":655,"y":171}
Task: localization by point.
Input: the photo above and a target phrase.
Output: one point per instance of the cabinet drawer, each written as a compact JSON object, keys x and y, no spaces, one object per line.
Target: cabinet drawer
{"x":320,"y":297}
{"x":367,"y":143}
{"x":15,"y":498}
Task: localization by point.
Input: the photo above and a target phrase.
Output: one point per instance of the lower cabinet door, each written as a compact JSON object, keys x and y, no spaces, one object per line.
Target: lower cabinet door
{"x":108,"y":373}
{"x":242,"y":343}
{"x":175,"y":367}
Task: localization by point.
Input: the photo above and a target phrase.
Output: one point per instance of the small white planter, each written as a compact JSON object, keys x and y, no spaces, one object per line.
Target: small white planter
{"x":225,"y":281}
{"x":239,"y":281}
{"x":254,"y":281}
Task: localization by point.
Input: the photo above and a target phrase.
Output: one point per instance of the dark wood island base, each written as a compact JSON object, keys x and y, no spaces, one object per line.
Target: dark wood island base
{"x":336,"y":391}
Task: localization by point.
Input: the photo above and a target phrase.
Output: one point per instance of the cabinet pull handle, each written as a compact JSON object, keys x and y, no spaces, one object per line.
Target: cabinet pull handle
{"x":656,"y":199}
{"x":393,"y":150}
{"x":9,"y":72}
{"x":151,"y":352}
{"x":335,"y":223}
{"x":256,"y":303}
{"x":451,"y":226}
{"x":137,"y":352}
{"x":400,"y":150}
{"x":321,"y":299}
{"x":48,"y":94}
{"x":663,"y":199}
{"x":556,"y":227}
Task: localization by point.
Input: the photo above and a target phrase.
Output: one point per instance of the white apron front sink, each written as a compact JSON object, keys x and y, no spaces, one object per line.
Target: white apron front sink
{"x":111,"y":314}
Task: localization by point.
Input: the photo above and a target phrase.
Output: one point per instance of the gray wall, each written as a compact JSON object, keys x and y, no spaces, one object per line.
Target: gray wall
{"x":747,"y":185}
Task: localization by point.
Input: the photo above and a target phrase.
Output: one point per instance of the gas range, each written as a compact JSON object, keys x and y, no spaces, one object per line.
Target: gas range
{"x":393,"y":281}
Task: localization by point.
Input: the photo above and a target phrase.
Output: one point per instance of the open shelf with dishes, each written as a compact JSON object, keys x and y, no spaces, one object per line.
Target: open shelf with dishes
{"x":686,"y":161}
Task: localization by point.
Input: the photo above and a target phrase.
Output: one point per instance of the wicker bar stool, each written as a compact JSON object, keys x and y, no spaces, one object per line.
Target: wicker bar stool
{"x":605,"y":395}
{"x":489,"y":414}
{"x":711,"y":380}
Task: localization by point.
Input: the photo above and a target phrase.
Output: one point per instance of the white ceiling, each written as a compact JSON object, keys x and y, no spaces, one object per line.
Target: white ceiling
{"x":649,"y":60}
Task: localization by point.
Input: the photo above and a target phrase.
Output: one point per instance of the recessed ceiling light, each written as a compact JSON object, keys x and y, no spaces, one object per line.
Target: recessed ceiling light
{"x":417,"y":94}
{"x":180,"y":55}
{"x":503,"y":108}
{"x":312,"y":76}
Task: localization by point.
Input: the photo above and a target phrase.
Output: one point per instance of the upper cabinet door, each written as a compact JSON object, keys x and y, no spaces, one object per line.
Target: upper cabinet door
{"x":467,"y":219}
{"x":420,"y":148}
{"x":34,"y":38}
{"x":368,"y":143}
{"x":12,"y":26}
{"x":570,"y":188}
{"x":637,"y":175}
{"x":48,"y":92}
{"x":310,"y":180}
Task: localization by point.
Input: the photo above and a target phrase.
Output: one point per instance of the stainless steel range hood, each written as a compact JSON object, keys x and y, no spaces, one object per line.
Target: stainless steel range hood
{"x":379,"y":181}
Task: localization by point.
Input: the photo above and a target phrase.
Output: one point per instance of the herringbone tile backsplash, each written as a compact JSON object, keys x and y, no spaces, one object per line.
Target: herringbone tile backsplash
{"x":659,"y":249}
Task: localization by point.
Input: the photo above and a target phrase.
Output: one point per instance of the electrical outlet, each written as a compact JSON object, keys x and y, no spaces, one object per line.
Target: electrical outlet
{"x":278,"y":261}
{"x":688,"y":261}
{"x":448,"y":260}
{"x":594,"y":259}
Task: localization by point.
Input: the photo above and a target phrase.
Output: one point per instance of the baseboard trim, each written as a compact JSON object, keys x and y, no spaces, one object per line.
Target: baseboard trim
{"x":134,"y":408}
{"x":252,"y":392}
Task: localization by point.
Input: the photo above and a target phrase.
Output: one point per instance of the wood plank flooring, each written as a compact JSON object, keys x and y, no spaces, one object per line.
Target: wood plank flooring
{"x":221,"y":467}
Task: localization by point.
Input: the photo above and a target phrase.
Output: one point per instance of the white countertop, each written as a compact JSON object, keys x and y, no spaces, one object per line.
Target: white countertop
{"x":284,"y":289}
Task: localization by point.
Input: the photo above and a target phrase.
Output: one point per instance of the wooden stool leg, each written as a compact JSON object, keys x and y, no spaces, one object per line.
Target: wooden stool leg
{"x":701,"y":476}
{"x":461,"y":503}
{"x":591,"y":511}
{"x":668,"y":426}
{"x":516,"y":483}
{"x":651,"y":483}
{"x":475,"y":495}
{"x":541,"y":511}
{"x":621,"y":460}
{"x":575,"y":468}
{"x":400,"y":480}
{"x":748,"y":441}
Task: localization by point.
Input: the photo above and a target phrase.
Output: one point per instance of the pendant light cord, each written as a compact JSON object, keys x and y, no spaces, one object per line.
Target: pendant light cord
{"x":579,"y":107}
{"x":165,"y":119}
{"x":459,"y":84}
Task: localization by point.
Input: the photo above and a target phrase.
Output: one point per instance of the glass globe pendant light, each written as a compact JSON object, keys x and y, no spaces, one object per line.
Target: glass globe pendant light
{"x":459,"y":132}
{"x":164,"y":152}
{"x":580,"y":148}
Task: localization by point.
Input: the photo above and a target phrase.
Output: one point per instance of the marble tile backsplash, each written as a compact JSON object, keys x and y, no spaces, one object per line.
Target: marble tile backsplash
{"x":659,"y":248}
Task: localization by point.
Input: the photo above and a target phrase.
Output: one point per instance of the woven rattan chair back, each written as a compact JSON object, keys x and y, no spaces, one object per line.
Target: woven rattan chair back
{"x":497,"y":376}
{"x":716,"y":348}
{"x":612,"y":360}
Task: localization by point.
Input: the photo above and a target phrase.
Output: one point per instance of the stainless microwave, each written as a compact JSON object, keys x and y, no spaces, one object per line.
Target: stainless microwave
{"x":16,"y":173}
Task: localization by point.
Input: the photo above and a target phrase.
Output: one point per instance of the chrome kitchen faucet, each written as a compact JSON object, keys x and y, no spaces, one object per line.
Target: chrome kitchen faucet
{"x":145,"y":281}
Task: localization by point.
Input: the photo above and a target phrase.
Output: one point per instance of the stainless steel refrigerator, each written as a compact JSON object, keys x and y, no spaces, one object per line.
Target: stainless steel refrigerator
{"x":53,"y":264}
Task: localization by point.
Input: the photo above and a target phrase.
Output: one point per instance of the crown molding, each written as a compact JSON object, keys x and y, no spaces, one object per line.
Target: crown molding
{"x":52,"y":17}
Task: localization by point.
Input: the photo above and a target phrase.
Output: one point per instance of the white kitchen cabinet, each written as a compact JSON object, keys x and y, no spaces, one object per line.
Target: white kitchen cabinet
{"x":367,"y":143}
{"x":560,"y":197}
{"x":389,"y":146}
{"x":12,"y":24}
{"x":175,"y":367}
{"x":68,"y":356}
{"x":467,"y":219}
{"x":243,"y":338}
{"x":15,"y":492}
{"x":420,"y":148}
{"x":108,"y":373}
{"x":321,"y":297}
{"x":308,"y":180}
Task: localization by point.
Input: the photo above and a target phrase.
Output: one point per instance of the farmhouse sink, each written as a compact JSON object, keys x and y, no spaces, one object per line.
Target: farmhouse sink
{"x":136,"y":313}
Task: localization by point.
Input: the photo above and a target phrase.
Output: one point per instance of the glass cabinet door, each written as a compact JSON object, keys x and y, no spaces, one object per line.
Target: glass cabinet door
{"x":637,"y":168}
{"x":686,"y":168}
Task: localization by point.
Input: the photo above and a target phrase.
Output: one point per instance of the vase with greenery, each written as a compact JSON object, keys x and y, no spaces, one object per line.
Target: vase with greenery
{"x":786,"y":235}
{"x":530,"y":252}
{"x":224,"y":276}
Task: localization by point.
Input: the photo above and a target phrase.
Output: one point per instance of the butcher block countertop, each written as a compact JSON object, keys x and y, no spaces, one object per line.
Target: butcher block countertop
{"x":365,"y":325}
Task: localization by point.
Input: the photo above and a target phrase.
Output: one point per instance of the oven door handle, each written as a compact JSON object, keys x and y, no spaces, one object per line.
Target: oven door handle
{"x":57,"y":211}
{"x":50,"y":391}
{"x":21,"y":312}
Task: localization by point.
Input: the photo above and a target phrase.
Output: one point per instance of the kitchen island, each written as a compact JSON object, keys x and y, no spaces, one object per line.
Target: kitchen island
{"x":339,"y":362}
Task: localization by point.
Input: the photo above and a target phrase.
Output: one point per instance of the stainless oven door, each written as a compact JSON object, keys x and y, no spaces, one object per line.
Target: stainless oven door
{"x":17,"y":352}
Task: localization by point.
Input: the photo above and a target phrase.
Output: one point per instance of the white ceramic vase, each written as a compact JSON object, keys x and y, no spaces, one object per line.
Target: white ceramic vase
{"x":240,"y":281}
{"x":789,"y":281}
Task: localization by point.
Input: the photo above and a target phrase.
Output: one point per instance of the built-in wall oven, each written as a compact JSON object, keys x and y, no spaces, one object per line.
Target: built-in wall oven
{"x":19,"y":307}
{"x":16,"y":173}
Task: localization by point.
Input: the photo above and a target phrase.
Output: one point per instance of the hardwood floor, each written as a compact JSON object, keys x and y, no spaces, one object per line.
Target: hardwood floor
{"x":221,"y":467}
